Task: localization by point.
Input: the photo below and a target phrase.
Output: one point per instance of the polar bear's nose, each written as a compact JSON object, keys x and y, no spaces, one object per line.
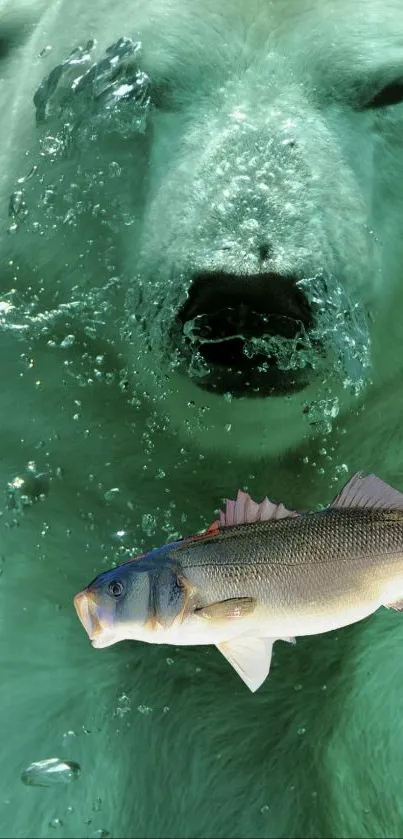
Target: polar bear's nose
{"x":226,"y":315}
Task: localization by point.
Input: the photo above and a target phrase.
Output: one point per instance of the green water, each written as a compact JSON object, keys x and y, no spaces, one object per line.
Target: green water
{"x":165,"y":742}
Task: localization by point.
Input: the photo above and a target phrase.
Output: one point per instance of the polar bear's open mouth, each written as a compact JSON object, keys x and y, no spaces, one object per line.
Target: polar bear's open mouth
{"x":247,"y":335}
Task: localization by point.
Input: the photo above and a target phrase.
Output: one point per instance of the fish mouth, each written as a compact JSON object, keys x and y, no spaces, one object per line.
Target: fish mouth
{"x":86,"y":608}
{"x":246,"y":335}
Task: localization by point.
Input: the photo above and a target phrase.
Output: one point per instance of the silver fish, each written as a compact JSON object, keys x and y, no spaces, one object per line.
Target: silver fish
{"x":259,"y":574}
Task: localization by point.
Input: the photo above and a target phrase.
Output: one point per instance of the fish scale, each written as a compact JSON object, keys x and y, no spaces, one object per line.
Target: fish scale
{"x":325,"y":536}
{"x":316,"y":563}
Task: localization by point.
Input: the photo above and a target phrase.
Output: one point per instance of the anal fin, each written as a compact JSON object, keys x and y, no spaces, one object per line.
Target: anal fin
{"x":250,"y":657}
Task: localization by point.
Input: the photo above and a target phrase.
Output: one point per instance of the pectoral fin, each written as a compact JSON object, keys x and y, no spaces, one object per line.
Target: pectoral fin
{"x":236,"y":607}
{"x":250,"y":657}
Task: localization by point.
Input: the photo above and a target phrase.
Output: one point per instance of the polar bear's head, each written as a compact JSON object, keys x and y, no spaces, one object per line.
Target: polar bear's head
{"x":266,"y":211}
{"x":273,"y":132}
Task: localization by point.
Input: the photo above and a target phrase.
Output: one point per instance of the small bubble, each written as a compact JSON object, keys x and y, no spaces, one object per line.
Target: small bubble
{"x":115,"y":170}
{"x":120,"y":535}
{"x":165,"y":709}
{"x":169,"y":661}
{"x":124,"y":706}
{"x":301,"y":730}
{"x":265,"y":808}
{"x":67,"y":342}
{"x":298,"y":687}
{"x":55,"y":823}
{"x":112,"y":493}
{"x":17,"y":205}
{"x":45,"y":51}
{"x":148,"y":524}
{"x":101,"y":833}
{"x":69,"y":735}
{"x":144,"y":709}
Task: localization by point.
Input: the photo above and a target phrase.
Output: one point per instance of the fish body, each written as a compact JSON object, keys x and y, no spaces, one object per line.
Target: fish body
{"x":259,"y":574}
{"x":308,"y":574}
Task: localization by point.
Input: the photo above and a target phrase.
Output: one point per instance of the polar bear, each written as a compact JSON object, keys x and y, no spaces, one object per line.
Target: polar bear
{"x":200,"y":210}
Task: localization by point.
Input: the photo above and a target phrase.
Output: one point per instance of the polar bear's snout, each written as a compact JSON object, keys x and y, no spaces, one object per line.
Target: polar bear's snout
{"x":242,"y":331}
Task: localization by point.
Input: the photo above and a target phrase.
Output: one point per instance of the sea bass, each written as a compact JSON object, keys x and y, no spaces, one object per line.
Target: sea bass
{"x":259,"y":574}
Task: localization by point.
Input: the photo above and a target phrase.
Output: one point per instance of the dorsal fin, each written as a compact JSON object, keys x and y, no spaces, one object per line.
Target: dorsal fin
{"x":368,"y":491}
{"x":244,"y":510}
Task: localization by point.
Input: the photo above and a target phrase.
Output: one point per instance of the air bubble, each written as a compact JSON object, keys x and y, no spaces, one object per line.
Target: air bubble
{"x":54,"y":823}
{"x":148,"y":524}
{"x":112,"y":493}
{"x":67,"y":342}
{"x":50,"y":772}
{"x":144,"y":709}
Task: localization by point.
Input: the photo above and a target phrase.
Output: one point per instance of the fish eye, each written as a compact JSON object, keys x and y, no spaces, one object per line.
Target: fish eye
{"x":116,"y":589}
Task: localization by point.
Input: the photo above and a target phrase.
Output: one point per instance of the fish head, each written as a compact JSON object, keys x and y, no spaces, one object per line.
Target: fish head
{"x":113,"y":605}
{"x":139,"y":600}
